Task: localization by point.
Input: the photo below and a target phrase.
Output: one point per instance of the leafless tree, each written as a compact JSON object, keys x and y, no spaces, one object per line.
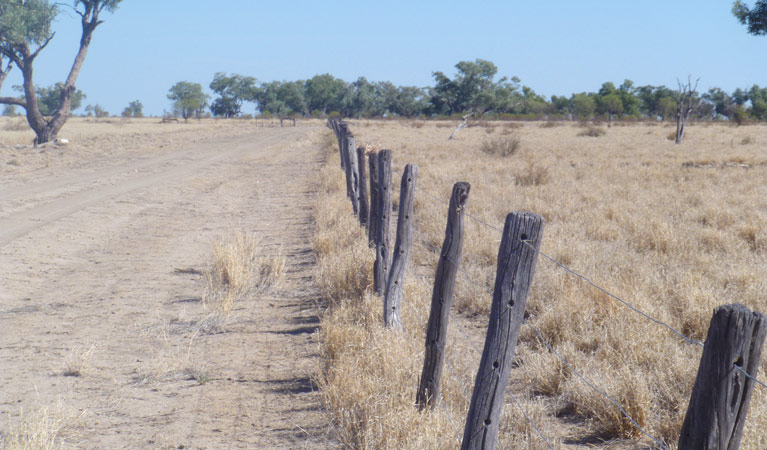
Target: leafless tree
{"x":686,"y":101}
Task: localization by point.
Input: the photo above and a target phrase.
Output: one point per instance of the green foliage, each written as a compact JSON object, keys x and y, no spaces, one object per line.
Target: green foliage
{"x":233,"y":91}
{"x":10,"y":111}
{"x":25,"y":22}
{"x":327,"y":93}
{"x":49,"y":99}
{"x":134,"y":109}
{"x":754,"y":18}
{"x":188,"y":99}
{"x":583,"y":105}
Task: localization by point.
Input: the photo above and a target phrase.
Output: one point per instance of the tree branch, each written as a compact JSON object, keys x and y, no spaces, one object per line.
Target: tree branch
{"x":13,"y":101}
{"x":45,"y":44}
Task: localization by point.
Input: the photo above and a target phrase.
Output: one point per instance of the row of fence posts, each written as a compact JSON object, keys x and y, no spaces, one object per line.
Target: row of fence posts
{"x":732,"y":351}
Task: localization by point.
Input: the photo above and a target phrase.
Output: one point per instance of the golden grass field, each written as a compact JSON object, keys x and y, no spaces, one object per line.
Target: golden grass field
{"x":674,"y":229}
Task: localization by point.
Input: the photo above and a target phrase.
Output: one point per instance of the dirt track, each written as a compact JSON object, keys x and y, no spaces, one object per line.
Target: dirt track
{"x":89,"y":258}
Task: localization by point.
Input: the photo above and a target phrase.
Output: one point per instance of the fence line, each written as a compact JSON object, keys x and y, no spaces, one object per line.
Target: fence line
{"x":717,"y":350}
{"x":568,"y":364}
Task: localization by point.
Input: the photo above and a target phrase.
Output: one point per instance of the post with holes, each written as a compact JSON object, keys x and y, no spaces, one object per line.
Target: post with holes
{"x":402,"y":244}
{"x":442,"y":298}
{"x":383,"y":213}
{"x":363,"y":187}
{"x":352,"y":173}
{"x":721,"y":394}
{"x":373,"y":221}
{"x":516,"y":267}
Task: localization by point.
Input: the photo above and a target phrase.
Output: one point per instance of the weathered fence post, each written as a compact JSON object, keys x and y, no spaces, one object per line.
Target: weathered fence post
{"x":352,"y":172}
{"x":373,"y":221}
{"x":516,"y":267}
{"x":402,"y":245}
{"x":721,"y":394}
{"x":363,"y":187}
{"x":383,"y":213}
{"x":340,"y":129}
{"x":442,"y":298}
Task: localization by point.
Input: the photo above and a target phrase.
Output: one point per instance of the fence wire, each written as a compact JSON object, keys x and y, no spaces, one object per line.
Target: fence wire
{"x":567,"y":363}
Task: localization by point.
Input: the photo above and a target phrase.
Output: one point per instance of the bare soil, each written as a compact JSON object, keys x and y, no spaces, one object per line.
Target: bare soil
{"x":107,"y":254}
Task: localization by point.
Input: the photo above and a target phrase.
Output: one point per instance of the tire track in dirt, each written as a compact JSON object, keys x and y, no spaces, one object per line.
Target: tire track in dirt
{"x":91,"y":262}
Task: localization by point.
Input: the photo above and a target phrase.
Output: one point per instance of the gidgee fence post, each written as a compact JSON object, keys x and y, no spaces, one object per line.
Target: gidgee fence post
{"x":363,"y":187}
{"x":352,"y":173}
{"x":383,"y":213}
{"x":516,"y":267}
{"x":402,"y":244}
{"x":373,"y":221}
{"x":341,"y":130}
{"x":442,"y":298}
{"x":721,"y":394}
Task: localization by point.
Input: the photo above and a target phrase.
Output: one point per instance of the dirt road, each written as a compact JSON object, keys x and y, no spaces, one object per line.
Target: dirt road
{"x":89,"y":259}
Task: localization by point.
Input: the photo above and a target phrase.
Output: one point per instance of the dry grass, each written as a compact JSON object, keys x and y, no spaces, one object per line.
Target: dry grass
{"x":47,"y":428}
{"x":236,"y":269}
{"x":591,"y":131}
{"x":78,"y":361}
{"x":503,"y":147}
{"x":674,"y":240}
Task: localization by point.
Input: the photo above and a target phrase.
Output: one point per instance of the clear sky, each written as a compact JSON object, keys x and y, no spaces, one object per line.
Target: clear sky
{"x":557,"y":47}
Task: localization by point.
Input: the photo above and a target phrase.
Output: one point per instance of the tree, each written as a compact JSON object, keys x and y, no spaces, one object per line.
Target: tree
{"x":134,"y":109}
{"x":583,"y":105}
{"x":49,"y":99}
{"x":326,"y":93}
{"x":472,"y":90}
{"x":686,"y":101}
{"x":25,"y":30}
{"x":611,"y":105}
{"x":188,"y":99}
{"x":233,"y":91}
{"x":754,"y":18}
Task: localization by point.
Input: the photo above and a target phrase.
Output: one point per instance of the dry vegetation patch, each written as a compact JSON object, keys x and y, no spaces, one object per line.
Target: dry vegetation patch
{"x":626,"y":211}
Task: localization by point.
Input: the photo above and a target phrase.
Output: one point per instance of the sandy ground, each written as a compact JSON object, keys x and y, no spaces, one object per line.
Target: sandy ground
{"x":90,"y":252}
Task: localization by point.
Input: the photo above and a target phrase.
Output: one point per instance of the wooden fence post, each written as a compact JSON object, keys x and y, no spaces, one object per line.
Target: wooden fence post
{"x":363,"y":187}
{"x":373,"y":221}
{"x":402,"y":245}
{"x":721,"y":394}
{"x":339,"y":129}
{"x":442,"y":298}
{"x":355,"y":173}
{"x":516,"y":268}
{"x":383,"y":213}
{"x":352,"y":172}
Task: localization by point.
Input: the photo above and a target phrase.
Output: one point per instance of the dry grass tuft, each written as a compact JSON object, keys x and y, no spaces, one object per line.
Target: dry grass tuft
{"x":236,"y":268}
{"x":502,"y":147}
{"x":532,"y":176}
{"x":747,"y":140}
{"x":45,"y":428}
{"x":77,"y":361}
{"x":592,"y":131}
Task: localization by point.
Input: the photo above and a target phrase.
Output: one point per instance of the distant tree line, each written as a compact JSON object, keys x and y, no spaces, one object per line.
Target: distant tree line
{"x":474,"y":89}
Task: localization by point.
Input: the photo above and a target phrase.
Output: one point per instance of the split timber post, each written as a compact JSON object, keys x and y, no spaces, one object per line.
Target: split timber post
{"x":352,"y":172}
{"x":442,"y":298}
{"x":373,"y":221}
{"x":402,"y":245}
{"x":721,"y":395}
{"x":516,"y":268}
{"x":363,"y":187}
{"x":343,"y":129}
{"x":383,"y":213}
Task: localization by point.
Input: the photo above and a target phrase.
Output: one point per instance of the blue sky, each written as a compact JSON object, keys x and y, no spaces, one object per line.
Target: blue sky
{"x":556,"y":47}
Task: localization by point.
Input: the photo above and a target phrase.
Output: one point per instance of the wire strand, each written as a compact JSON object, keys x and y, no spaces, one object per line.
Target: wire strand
{"x":610,"y":294}
{"x":592,"y":386}
{"x":749,"y":376}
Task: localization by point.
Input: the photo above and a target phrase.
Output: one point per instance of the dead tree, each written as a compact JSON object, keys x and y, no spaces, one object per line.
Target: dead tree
{"x":463,"y":124}
{"x":686,"y":100}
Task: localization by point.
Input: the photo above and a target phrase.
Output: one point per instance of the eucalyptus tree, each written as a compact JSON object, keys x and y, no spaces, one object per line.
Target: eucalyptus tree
{"x":25,"y":30}
{"x":755,"y":18}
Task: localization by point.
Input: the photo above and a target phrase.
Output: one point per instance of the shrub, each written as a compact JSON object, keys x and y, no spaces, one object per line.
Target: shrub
{"x":533,"y":176}
{"x":502,"y":146}
{"x":550,"y":124}
{"x":592,"y":131}
{"x":747,"y":140}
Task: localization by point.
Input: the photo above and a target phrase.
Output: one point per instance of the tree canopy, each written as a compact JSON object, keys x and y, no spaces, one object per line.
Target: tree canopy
{"x":188,"y":99}
{"x":755,"y":19}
